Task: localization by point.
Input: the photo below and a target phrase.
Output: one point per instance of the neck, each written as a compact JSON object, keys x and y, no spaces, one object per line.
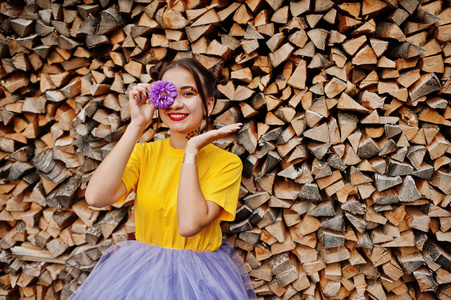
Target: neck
{"x":178,"y":141}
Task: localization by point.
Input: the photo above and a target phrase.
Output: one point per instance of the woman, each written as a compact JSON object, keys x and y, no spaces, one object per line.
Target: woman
{"x":185,"y":187}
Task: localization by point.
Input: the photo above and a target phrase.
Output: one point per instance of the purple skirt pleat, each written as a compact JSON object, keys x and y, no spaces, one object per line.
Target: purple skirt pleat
{"x":137,"y":270}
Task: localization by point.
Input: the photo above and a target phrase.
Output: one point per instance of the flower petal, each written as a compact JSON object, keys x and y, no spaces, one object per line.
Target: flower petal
{"x":162,"y":93}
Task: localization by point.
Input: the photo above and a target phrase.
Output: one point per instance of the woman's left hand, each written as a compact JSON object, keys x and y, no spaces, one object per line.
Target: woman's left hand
{"x":198,"y":142}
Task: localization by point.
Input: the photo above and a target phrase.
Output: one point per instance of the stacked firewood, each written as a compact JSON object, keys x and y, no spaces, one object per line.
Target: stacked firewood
{"x":346,"y":186}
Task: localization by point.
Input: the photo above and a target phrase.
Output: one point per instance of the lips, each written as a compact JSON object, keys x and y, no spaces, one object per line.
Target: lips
{"x":177,"y":116}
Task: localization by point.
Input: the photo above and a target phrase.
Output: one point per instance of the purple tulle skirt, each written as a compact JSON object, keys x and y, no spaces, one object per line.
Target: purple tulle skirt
{"x":135,"y":270}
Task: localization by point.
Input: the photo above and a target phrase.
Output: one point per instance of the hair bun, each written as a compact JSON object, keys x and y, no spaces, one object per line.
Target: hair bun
{"x":216,"y":71}
{"x":154,"y":71}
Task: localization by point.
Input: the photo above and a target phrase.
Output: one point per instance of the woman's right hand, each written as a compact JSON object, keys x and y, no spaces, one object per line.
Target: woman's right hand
{"x":141,"y":110}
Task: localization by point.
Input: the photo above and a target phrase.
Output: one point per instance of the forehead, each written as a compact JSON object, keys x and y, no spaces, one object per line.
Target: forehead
{"x":179,"y":77}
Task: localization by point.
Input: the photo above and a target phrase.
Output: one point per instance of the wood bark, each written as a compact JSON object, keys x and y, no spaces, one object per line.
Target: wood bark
{"x":345,"y":144}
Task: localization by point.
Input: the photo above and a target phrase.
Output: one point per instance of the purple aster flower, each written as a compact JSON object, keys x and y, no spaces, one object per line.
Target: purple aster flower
{"x":162,"y":93}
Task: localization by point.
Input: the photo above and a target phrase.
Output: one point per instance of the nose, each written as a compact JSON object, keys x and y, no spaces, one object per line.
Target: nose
{"x":177,"y":102}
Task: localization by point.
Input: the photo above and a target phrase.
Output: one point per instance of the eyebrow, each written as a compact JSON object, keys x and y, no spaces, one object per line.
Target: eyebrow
{"x":188,"y":87}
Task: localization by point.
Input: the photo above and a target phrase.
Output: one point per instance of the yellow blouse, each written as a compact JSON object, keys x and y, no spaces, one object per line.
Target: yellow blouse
{"x":153,"y":172}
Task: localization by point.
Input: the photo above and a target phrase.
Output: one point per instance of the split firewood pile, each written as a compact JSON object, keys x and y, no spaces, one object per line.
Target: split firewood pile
{"x":346,"y":186}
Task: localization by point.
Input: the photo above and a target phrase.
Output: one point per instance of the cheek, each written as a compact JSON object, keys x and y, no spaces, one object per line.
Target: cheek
{"x":160,"y":112}
{"x":197,"y":105}
{"x":162,"y":115}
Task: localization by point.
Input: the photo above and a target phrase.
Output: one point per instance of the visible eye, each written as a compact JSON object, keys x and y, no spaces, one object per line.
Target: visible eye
{"x":189,"y":92}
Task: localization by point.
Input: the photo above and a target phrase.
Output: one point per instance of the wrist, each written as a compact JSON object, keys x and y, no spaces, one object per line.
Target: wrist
{"x":191,"y":149}
{"x":189,"y":158}
{"x":136,"y":129}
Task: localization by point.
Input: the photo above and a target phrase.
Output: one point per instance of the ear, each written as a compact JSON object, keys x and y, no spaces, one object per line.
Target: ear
{"x":210,"y":104}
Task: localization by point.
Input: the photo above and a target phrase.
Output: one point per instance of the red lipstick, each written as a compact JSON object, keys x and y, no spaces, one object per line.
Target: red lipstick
{"x":177,"y":116}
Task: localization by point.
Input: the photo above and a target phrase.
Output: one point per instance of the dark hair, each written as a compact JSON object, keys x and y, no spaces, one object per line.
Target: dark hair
{"x":206,"y":80}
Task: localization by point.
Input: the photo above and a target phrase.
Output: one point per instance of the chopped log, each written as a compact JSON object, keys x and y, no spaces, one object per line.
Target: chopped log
{"x":441,"y":180}
{"x":318,"y":37}
{"x":310,"y":192}
{"x":438,"y":254}
{"x":330,"y":239}
{"x":21,"y":26}
{"x":405,"y":50}
{"x":280,"y":55}
{"x":56,"y":247}
{"x":336,"y":223}
{"x":427,"y":84}
{"x":347,"y":103}
{"x":390,"y":31}
{"x":365,"y":56}
{"x":396,"y":168}
{"x":384,"y":182}
{"x":324,"y":209}
{"x":367,"y":148}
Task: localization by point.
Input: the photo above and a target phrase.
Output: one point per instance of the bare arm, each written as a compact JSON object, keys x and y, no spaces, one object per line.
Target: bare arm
{"x":194,"y":212}
{"x":105,"y":186}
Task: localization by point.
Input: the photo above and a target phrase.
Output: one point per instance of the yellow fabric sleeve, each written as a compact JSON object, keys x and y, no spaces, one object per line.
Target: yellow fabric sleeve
{"x":223,"y":185}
